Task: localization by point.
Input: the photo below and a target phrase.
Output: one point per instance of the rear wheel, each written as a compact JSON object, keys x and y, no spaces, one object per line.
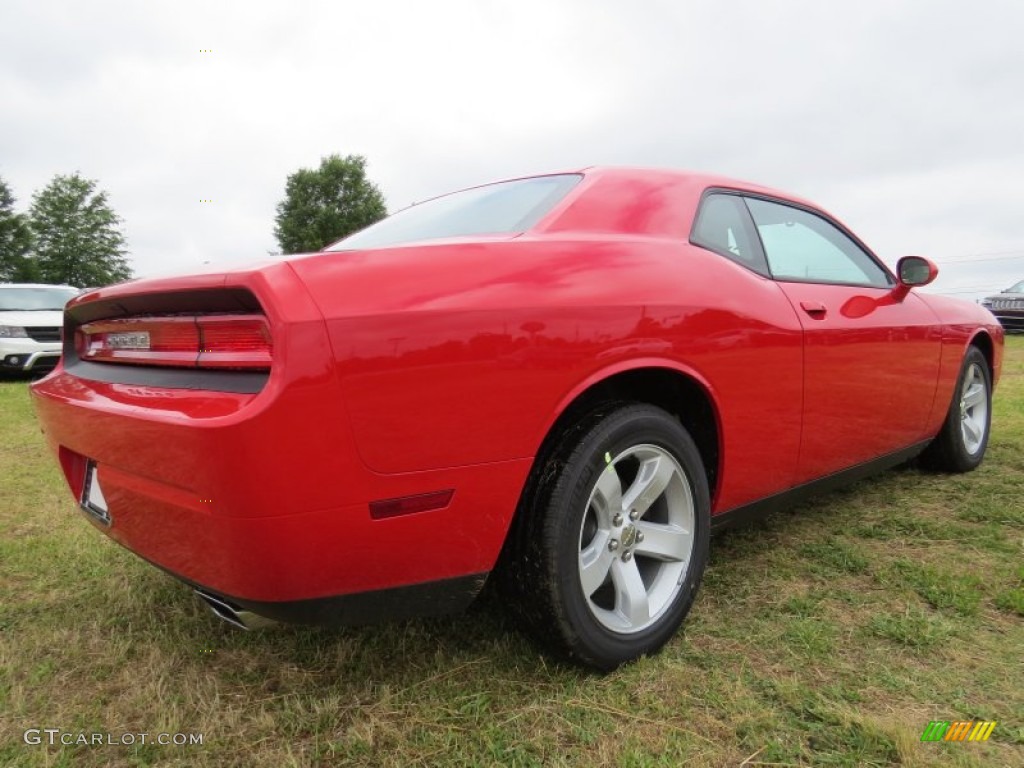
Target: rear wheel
{"x":616,"y":537}
{"x":960,"y":445}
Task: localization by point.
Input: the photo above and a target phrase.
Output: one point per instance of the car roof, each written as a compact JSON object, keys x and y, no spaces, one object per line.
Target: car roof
{"x":698,"y":178}
{"x":650,"y":174}
{"x":644,"y":201}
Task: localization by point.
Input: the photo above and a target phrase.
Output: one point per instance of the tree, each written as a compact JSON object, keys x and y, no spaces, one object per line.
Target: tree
{"x":323,"y":205}
{"x":78,"y":239}
{"x":15,"y":241}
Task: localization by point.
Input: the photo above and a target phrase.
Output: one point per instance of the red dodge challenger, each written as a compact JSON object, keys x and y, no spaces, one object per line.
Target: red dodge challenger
{"x":566,"y":380}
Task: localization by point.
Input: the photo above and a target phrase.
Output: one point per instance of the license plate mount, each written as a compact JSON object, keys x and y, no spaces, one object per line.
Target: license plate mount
{"x":93,"y":502}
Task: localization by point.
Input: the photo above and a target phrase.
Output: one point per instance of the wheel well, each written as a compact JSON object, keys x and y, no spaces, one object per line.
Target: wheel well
{"x":680,"y":395}
{"x":984,"y":342}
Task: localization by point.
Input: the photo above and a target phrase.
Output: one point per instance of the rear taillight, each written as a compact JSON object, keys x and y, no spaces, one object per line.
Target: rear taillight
{"x":234,"y":342}
{"x":197,"y":341}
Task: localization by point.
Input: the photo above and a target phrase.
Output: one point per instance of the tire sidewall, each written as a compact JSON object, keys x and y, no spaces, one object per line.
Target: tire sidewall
{"x":962,"y":457}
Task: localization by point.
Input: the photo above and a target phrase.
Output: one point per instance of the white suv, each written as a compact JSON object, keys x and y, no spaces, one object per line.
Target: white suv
{"x":31,"y":318}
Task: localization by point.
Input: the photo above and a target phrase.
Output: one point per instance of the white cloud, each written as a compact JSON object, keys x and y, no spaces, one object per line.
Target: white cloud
{"x":902,"y":118}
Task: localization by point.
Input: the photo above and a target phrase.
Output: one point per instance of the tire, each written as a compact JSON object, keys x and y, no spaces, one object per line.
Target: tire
{"x":961,"y":443}
{"x":602,"y":579}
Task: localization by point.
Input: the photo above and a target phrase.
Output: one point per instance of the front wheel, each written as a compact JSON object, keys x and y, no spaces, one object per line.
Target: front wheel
{"x":960,"y":445}
{"x":617,"y":537}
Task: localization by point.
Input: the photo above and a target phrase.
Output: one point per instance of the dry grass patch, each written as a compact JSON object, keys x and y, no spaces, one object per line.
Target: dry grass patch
{"x":827,"y":635}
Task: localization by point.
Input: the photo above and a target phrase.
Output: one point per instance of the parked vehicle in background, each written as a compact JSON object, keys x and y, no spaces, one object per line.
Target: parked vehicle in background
{"x":1008,"y":307}
{"x":564,"y":380}
{"x":31,"y":316}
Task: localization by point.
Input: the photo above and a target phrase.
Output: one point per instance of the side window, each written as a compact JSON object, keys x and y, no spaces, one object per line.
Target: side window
{"x":723,"y":226}
{"x":804,"y":247}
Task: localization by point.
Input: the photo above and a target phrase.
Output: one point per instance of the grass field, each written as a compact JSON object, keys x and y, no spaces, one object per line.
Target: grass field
{"x":828,"y":635}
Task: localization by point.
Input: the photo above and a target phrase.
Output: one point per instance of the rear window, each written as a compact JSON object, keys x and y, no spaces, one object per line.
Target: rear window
{"x":505,"y":208}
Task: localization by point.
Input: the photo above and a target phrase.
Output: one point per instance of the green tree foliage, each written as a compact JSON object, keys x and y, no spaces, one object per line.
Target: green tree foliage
{"x":15,"y":241}
{"x":78,"y":239}
{"x":323,"y":205}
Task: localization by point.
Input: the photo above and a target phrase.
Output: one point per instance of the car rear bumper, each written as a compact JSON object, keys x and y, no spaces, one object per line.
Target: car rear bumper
{"x":261,"y":498}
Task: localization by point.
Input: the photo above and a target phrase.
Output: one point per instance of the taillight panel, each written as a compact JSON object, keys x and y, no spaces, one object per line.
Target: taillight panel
{"x":234,"y":342}
{"x":192,"y":341}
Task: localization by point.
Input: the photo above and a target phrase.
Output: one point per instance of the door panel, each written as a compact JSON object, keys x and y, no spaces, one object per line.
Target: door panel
{"x":871,"y":366}
{"x":871,"y":363}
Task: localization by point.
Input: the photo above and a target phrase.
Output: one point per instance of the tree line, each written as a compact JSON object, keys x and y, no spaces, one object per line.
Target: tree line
{"x":70,"y":235}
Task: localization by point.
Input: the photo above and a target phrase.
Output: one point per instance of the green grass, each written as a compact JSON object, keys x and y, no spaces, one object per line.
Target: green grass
{"x":826,"y":635}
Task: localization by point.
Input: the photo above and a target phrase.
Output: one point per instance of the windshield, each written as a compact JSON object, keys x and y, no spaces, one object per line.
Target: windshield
{"x":25,"y":298}
{"x":508,"y":207}
{"x":1016,"y":288}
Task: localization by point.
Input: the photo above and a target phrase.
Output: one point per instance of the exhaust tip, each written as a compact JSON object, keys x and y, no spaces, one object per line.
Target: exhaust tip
{"x":233,"y":614}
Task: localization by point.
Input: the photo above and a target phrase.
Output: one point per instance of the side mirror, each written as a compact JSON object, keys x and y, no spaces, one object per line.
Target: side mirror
{"x":913,"y":272}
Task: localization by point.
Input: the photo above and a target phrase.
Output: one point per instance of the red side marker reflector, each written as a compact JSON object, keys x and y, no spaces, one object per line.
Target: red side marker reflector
{"x":407,"y":505}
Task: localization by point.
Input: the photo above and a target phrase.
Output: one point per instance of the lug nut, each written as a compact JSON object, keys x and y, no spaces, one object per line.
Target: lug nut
{"x":617,"y":520}
{"x":633,"y":514}
{"x":639,"y":536}
{"x":627,"y":556}
{"x":613,"y":545}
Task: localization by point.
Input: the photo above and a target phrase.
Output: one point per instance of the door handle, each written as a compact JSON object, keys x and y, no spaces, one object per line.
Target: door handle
{"x":815,"y":309}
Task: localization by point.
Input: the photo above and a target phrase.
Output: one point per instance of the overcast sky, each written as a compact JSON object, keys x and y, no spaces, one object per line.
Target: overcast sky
{"x":903,"y":118}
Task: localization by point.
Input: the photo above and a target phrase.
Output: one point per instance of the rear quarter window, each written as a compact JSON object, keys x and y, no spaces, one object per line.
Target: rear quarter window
{"x":724,"y":226}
